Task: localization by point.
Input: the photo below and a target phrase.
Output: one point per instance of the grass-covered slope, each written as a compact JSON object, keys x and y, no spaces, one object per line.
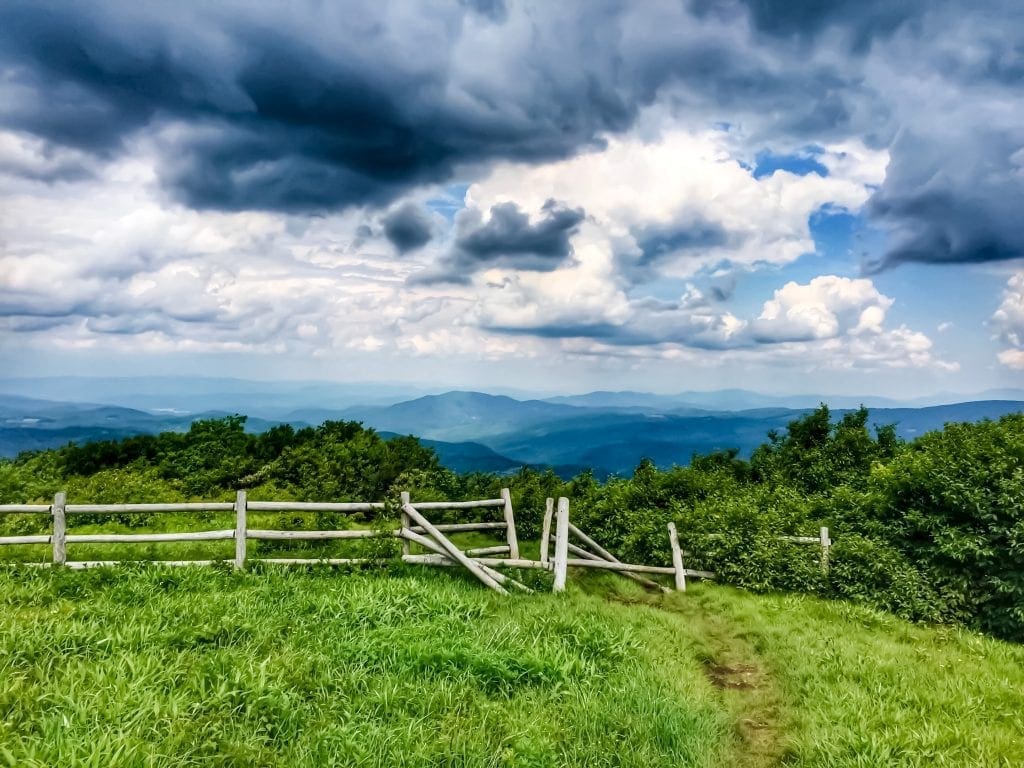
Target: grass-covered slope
{"x":409,"y":667}
{"x":309,"y":669}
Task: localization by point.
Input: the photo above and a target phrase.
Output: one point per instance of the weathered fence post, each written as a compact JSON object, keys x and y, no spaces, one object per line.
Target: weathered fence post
{"x":561,"y":544}
{"x":826,"y":542}
{"x":677,"y":558}
{"x":405,"y":523}
{"x":60,"y":529}
{"x":545,"y":536}
{"x":510,"y":526}
{"x":241,"y":528}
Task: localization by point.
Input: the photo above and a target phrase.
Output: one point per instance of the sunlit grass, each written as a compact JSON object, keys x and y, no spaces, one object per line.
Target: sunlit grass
{"x":836,"y":684}
{"x":206,"y":667}
{"x":408,"y":666}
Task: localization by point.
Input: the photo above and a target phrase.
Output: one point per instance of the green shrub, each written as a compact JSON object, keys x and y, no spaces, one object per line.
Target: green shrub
{"x":877,"y":574}
{"x":953,"y":503}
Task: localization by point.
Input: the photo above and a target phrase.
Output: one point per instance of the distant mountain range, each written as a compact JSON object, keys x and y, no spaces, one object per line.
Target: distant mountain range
{"x":613,"y":438}
{"x":607,"y":431}
{"x":278,"y":399}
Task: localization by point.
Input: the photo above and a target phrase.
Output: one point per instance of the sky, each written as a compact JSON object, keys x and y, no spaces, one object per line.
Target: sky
{"x":779,"y":195}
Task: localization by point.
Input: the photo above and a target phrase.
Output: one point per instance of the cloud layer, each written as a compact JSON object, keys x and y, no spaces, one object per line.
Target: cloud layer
{"x":504,"y":179}
{"x":312,"y":108}
{"x":1009,"y":320}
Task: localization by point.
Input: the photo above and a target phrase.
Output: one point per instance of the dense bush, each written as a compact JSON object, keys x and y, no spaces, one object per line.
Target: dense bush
{"x":953,"y":503}
{"x":931,"y":530}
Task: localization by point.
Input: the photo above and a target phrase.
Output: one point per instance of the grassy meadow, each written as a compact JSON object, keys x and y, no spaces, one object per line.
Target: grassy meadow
{"x":405,"y":666}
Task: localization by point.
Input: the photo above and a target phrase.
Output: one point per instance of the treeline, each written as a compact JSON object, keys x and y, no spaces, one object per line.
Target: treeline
{"x":931,"y":529}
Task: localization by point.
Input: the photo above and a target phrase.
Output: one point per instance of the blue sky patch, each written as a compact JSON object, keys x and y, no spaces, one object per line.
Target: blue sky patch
{"x":450,"y":202}
{"x":767,"y":163}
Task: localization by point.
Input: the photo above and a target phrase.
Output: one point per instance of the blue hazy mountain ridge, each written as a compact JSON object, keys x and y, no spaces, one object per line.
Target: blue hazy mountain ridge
{"x":744,"y":399}
{"x":187,"y":394}
{"x":476,"y":457}
{"x":718,"y":400}
{"x":278,"y":399}
{"x":477,"y":431}
{"x":616,"y":441}
{"x":32,"y":424}
{"x":461,"y":416}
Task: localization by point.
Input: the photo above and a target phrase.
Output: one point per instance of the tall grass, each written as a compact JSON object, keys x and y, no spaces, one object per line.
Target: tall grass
{"x":829,"y":684}
{"x":150,"y":667}
{"x":400,"y":666}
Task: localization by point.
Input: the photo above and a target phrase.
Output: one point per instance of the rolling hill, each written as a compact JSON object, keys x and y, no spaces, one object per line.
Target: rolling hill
{"x":408,"y":667}
{"x":609,"y":432}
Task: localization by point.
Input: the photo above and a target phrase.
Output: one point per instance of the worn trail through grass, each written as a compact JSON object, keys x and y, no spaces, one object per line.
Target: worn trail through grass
{"x":410,"y":667}
{"x":809,"y":682}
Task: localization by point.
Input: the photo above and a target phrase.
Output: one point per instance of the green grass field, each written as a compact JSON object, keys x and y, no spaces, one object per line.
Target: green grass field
{"x":416,"y":667}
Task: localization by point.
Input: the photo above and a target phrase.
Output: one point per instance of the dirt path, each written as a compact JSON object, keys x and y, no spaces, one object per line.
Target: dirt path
{"x":734,"y":667}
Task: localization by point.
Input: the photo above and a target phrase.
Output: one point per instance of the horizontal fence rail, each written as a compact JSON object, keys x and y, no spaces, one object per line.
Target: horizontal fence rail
{"x":313,"y":506}
{"x":17,"y":509}
{"x":59,"y":538}
{"x":460,"y":504}
{"x":113,"y":509}
{"x":42,"y":539}
{"x":147,"y":538}
{"x":573,"y":548}
{"x":273,"y":535}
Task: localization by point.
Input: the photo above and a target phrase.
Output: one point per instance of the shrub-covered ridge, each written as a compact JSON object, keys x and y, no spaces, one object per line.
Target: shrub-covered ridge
{"x":931,"y":529}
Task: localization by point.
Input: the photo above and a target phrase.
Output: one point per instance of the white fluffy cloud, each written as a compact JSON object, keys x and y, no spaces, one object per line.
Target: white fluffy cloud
{"x":108,"y":263}
{"x":825,"y":308}
{"x":706,"y":209}
{"x":689,"y":193}
{"x":1009,"y":319}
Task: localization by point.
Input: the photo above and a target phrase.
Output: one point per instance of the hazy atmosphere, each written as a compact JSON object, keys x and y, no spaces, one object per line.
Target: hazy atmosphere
{"x":556,"y":197}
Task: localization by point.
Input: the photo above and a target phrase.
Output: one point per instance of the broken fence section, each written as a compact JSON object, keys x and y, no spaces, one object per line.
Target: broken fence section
{"x":572,"y":547}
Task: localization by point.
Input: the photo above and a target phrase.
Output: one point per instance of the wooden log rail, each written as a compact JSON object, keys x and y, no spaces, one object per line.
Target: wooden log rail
{"x":590,"y":554}
{"x":414,"y":528}
{"x":59,"y":510}
{"x":822,"y":540}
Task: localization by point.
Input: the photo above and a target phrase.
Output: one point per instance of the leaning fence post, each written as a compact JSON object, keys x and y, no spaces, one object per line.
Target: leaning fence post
{"x":545,"y":537}
{"x":406,"y":523}
{"x":510,"y":526}
{"x":454,"y":553}
{"x":561,"y":544}
{"x":826,"y":542}
{"x":677,"y":558}
{"x":60,"y":529}
{"x":241,"y":528}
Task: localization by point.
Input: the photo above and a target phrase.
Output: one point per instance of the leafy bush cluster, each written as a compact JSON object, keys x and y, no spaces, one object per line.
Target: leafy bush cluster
{"x":932,"y":529}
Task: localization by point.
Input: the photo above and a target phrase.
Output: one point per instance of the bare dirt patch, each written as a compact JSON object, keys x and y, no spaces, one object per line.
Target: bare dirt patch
{"x":741,"y":677}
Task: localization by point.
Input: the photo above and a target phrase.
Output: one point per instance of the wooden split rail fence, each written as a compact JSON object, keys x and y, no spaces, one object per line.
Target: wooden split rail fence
{"x":572,"y":547}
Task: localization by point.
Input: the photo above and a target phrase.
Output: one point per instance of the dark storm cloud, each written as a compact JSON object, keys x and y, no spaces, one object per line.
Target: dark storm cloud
{"x":495,"y":10}
{"x":295,"y":108}
{"x":314,"y":107}
{"x":47,"y":172}
{"x":689,"y":321}
{"x":658,"y":243}
{"x":508,"y":239}
{"x":408,"y":227}
{"x":641,"y":257}
{"x":646,"y":328}
{"x":288,"y":108}
{"x":864,"y":20}
{"x":613,"y":334}
{"x":955,"y":183}
{"x":954,"y":198}
{"x":508,"y":234}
